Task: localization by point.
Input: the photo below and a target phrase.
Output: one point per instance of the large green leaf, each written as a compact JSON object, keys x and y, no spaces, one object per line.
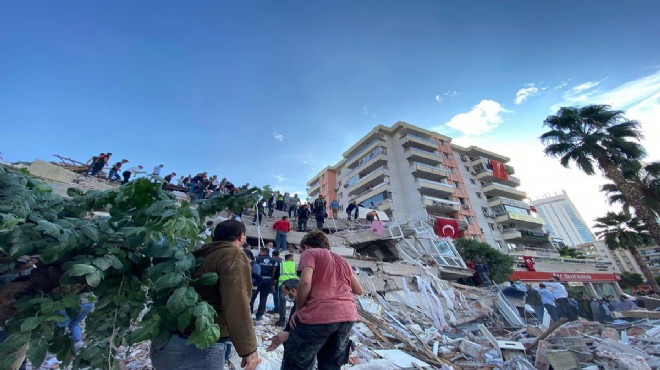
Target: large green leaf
{"x":168,"y":281}
{"x":81,"y":269}
{"x":29,"y":324}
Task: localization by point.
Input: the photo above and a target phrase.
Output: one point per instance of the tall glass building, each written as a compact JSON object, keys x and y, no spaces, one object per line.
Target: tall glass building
{"x":562,"y":219}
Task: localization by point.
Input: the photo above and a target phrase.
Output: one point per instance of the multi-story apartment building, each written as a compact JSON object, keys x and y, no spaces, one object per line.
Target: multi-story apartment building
{"x":563,"y":220}
{"x":651,"y":255}
{"x":413,"y":174}
{"x":621,"y":260}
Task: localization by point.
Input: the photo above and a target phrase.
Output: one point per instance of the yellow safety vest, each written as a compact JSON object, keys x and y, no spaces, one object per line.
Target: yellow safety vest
{"x":287,"y":271}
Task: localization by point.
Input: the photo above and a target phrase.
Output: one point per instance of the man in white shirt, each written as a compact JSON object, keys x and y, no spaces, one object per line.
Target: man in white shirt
{"x":561,"y":297}
{"x":156,"y":171}
{"x":132,"y":171}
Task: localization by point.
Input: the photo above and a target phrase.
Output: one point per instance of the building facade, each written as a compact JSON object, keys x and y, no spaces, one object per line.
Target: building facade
{"x":412,"y":173}
{"x":563,"y":220}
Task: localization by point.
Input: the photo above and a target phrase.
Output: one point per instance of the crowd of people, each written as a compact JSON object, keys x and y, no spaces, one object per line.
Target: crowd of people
{"x":322,"y":287}
{"x":552,"y":297}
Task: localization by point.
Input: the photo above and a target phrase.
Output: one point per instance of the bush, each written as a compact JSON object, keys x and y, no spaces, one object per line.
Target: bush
{"x":137,"y":262}
{"x":499,"y":264}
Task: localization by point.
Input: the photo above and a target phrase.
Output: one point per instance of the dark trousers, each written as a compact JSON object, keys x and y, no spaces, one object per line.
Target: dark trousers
{"x":327,"y":342}
{"x":552,"y":311}
{"x":126,"y":175}
{"x":566,"y":309}
{"x":292,"y":209}
{"x":281,"y":308}
{"x":258,"y":217}
{"x":263,"y":290}
{"x":302,"y":224}
{"x":97,"y":169}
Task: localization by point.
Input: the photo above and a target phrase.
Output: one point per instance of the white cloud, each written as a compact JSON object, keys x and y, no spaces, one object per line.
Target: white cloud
{"x":541,"y":175}
{"x":278,"y":136}
{"x":279,"y":177}
{"x":561,"y":85}
{"x":585,"y":86}
{"x":482,"y":118}
{"x":446,"y":95}
{"x":526,"y":92}
{"x":367,"y":112}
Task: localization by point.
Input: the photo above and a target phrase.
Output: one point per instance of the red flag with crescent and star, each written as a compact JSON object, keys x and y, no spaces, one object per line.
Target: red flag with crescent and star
{"x":446,"y":227}
{"x":529,"y":263}
{"x":498,"y":170}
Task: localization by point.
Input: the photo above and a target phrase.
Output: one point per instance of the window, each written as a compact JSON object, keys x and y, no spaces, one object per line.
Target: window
{"x":468,"y":219}
{"x":473,"y":237}
{"x":482,"y":183}
{"x":491,"y":225}
{"x":462,"y":201}
{"x":442,"y":142}
{"x":467,"y":168}
{"x":484,"y":210}
{"x":457,"y":185}
{"x":463,"y":158}
{"x":473,"y":182}
{"x":446,"y":155}
{"x":500,"y":244}
{"x":479,"y":195}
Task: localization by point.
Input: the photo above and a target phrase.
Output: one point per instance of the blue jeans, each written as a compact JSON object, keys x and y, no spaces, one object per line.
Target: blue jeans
{"x":280,"y":240}
{"x":176,"y":354}
{"x":114,"y":174}
{"x":539,"y":313}
{"x":74,"y":324}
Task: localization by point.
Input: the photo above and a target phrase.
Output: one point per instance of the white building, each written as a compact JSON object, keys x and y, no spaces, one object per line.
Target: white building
{"x":563,"y":220}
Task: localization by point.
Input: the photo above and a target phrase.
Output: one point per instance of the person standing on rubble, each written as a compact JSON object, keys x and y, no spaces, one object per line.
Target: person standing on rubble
{"x":325,"y":308}
{"x":349,"y":210}
{"x":268,"y":266}
{"x":91,"y":162}
{"x":132,"y":171}
{"x":287,"y":271}
{"x":533,"y":298}
{"x":482,"y":272}
{"x":564,"y":306}
{"x":595,"y":310}
{"x":548,"y":300}
{"x":113,"y":175}
{"x":282,"y":228}
{"x":101,"y":161}
{"x":229,"y":296}
{"x":303,"y":216}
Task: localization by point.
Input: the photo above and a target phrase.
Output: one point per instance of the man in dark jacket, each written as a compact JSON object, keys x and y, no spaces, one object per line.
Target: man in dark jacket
{"x":533,"y":299}
{"x":268,"y":267}
{"x":229,"y":296}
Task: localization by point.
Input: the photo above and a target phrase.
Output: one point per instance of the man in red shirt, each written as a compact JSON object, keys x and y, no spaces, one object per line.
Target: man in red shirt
{"x":325,"y":310}
{"x":282,"y":227}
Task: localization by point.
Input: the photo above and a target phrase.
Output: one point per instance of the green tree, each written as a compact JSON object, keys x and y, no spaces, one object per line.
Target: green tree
{"x":568,"y":252}
{"x":630,"y":280}
{"x":622,"y":230}
{"x":647,"y":177}
{"x":499,"y":264}
{"x":598,"y":135}
{"x":137,"y":262}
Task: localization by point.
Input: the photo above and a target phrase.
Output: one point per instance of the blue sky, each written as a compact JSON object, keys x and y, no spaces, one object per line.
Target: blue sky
{"x":269,"y":92}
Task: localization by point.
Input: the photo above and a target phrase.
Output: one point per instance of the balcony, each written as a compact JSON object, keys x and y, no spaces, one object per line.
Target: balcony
{"x":496,"y":201}
{"x":525,"y":236}
{"x":369,"y":164}
{"x":312,"y":193}
{"x":424,"y":157}
{"x":368,"y":181}
{"x":521,"y":221}
{"x":499,"y":190}
{"x":435,"y":188}
{"x":487,"y":175}
{"x":354,"y":162}
{"x":435,"y":205}
{"x":434,"y":173}
{"x":414,"y":141}
{"x":375,"y":190}
{"x":567,"y":265}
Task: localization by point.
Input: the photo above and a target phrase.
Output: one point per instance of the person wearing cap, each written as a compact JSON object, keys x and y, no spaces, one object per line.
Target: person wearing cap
{"x":229,"y":296}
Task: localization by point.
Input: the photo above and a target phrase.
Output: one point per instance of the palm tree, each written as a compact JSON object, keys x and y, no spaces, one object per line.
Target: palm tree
{"x":647,"y":177}
{"x":622,"y":230}
{"x":598,"y":135}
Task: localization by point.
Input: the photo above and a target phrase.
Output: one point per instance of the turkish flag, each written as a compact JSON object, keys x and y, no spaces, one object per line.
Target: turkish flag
{"x":498,"y":170}
{"x":446,"y":227}
{"x":529,"y":263}
{"x":533,"y":209}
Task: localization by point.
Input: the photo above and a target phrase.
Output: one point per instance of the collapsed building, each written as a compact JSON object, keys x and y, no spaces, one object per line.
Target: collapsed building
{"x":413,"y":313}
